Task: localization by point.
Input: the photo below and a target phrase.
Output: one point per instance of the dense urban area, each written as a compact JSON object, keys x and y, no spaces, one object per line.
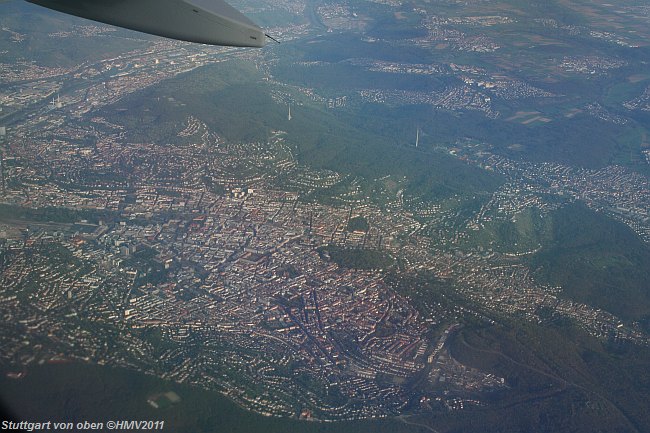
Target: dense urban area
{"x":235,"y":266}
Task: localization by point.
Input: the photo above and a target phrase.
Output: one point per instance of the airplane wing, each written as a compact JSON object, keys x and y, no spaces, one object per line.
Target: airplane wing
{"x":212,"y":22}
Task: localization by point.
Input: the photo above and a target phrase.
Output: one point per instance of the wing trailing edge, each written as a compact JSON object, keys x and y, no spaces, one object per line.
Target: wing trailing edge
{"x":212,"y":22}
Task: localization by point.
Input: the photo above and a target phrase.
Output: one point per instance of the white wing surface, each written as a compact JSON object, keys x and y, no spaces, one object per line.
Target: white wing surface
{"x":212,"y":22}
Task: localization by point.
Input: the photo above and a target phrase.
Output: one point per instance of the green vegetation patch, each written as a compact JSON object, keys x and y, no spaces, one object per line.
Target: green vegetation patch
{"x":235,"y":102}
{"x":49,"y":214}
{"x":524,"y":232}
{"x":597,"y":261}
{"x":359,"y":224}
{"x":75,"y":391}
{"x":357,"y":258}
{"x":549,"y":369}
